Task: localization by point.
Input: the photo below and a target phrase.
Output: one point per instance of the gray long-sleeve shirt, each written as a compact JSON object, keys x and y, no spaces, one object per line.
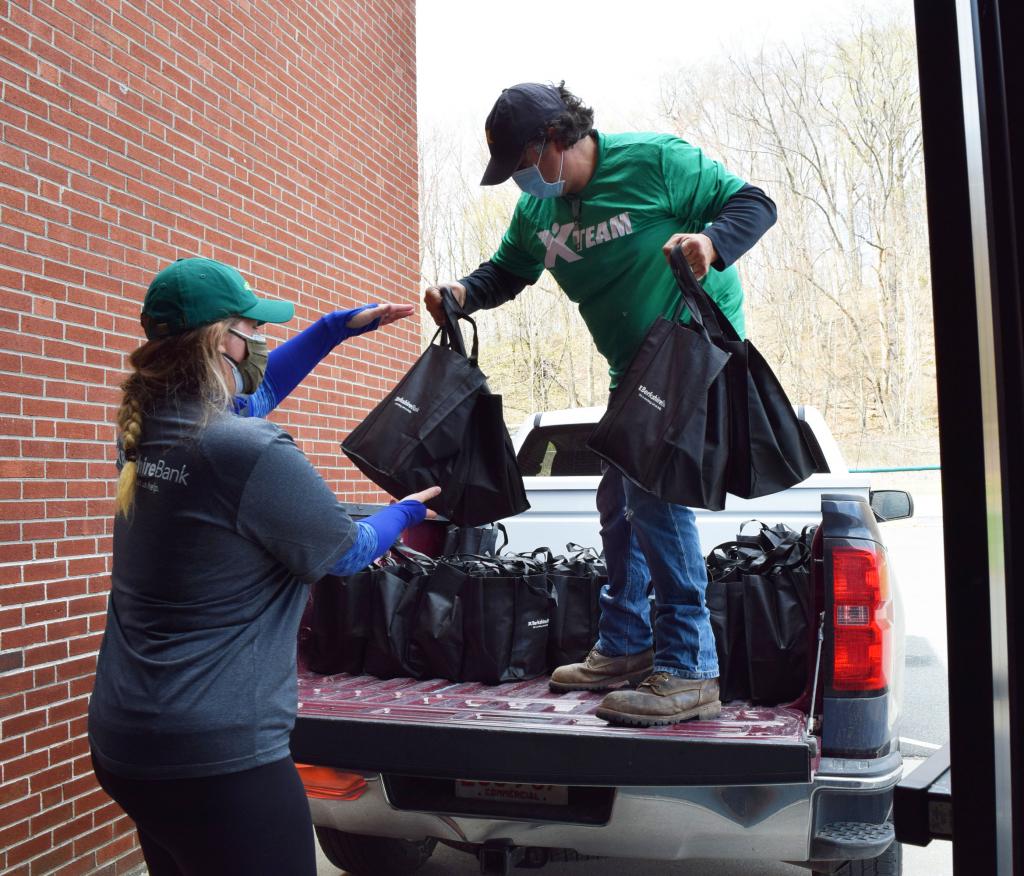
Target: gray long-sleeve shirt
{"x":196,"y":673}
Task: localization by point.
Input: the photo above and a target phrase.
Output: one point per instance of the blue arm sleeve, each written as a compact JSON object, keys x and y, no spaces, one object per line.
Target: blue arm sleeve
{"x":361,"y":554}
{"x":377,"y":533}
{"x":260,"y":403}
{"x":291,"y":361}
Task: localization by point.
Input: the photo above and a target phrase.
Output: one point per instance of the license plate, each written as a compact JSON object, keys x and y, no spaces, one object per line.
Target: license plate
{"x":505,"y":792}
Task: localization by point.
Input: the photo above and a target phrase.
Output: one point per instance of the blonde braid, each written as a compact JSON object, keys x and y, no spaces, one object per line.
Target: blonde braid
{"x":181,"y":367}
{"x":129,"y":421}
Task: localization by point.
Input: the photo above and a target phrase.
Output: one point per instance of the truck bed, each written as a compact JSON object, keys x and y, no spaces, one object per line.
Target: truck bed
{"x":443,"y":729}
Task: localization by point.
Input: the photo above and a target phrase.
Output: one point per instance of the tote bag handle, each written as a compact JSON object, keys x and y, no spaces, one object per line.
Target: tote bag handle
{"x":717,"y":323}
{"x":452,"y":332}
{"x":692,"y":294}
{"x":407,"y":556}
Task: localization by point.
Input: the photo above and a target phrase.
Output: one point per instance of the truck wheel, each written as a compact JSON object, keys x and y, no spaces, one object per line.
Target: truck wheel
{"x":889,"y":863}
{"x":363,"y":855}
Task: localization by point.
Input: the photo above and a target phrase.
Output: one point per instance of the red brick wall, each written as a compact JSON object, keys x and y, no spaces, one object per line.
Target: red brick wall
{"x":278,"y":136}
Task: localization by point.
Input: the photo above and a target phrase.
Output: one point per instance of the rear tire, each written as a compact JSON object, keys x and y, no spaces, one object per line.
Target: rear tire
{"x":363,"y":855}
{"x":889,"y":863}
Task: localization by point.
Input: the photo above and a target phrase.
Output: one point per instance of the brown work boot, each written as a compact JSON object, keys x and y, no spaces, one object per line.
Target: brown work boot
{"x":662,"y":699}
{"x":598,"y":672}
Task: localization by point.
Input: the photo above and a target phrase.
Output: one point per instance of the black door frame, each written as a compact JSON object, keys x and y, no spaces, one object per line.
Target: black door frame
{"x":970,"y":56}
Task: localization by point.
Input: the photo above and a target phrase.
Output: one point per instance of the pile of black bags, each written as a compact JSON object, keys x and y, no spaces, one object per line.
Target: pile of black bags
{"x":511,"y":617}
{"x":483,"y":618}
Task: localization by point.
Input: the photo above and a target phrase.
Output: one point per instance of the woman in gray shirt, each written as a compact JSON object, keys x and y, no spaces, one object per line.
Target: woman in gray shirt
{"x":222,"y":524}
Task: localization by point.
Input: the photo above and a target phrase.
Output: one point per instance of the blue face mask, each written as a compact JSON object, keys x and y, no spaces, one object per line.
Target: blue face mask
{"x":531,"y":181}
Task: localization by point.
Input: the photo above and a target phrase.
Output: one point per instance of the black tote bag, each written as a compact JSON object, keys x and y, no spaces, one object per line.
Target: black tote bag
{"x":724,"y":597}
{"x":412,"y":438}
{"x":442,"y":426}
{"x":768,"y":452}
{"x":436,"y":646}
{"x":777,"y":608}
{"x":576,"y":580}
{"x":725,"y":602}
{"x":667,"y":423}
{"x":759,"y":598}
{"x":340,"y":623}
{"x":394,"y":602}
{"x":486,"y":469}
{"x":776,"y":602}
{"x":474,"y":540}
{"x":507,"y":607}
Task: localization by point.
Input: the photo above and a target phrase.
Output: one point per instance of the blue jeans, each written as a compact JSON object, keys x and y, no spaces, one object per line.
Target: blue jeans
{"x":647,"y":540}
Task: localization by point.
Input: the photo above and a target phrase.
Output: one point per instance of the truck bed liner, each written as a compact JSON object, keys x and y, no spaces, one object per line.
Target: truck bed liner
{"x":439,"y":728}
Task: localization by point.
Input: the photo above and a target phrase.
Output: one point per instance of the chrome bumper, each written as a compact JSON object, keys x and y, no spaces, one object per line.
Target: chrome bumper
{"x":769,"y":822}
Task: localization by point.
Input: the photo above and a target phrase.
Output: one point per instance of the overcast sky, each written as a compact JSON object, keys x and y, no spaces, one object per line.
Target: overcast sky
{"x":609,"y":53}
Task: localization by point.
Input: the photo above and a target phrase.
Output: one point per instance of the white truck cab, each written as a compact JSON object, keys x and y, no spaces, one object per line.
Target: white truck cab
{"x":561,"y":475}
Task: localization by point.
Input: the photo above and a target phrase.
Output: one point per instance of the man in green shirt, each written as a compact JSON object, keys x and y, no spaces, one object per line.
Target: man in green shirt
{"x":601,"y":212}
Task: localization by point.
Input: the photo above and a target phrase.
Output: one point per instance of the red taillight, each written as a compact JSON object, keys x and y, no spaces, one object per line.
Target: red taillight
{"x":862,"y":619}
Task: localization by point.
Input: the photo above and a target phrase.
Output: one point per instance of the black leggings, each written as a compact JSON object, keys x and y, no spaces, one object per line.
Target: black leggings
{"x":254,"y":822}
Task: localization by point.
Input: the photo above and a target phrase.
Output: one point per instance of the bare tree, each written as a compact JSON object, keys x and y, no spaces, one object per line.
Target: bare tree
{"x":838,"y":292}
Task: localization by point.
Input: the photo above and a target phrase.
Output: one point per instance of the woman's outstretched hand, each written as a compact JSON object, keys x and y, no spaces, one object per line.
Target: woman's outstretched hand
{"x":425,"y":496}
{"x":386,"y":313}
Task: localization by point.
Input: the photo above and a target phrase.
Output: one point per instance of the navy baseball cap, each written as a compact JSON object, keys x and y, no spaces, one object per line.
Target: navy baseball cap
{"x":520,"y":116}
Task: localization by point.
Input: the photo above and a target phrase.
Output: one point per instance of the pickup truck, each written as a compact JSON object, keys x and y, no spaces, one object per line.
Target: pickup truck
{"x":519,"y":776}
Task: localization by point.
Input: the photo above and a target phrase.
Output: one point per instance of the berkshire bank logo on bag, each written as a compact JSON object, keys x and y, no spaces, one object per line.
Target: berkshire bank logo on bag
{"x":406,"y":405}
{"x":655,"y":401}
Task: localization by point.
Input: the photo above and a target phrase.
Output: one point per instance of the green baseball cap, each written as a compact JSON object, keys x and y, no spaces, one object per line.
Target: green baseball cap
{"x":194,"y":292}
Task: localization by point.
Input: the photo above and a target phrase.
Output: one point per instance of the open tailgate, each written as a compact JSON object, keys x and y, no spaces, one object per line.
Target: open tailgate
{"x":525,"y":733}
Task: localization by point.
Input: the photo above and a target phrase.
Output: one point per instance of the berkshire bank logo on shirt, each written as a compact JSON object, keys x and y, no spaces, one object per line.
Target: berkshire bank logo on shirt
{"x":556,"y":239}
{"x":149,"y":472}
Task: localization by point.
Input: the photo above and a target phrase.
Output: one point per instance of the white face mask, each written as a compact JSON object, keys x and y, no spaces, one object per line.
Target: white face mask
{"x":239,"y":380}
{"x":532,"y":181}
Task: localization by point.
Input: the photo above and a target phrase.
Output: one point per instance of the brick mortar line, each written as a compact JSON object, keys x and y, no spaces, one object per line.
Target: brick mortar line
{"x":10,"y":565}
{"x":50,"y":418}
{"x":52,"y":664}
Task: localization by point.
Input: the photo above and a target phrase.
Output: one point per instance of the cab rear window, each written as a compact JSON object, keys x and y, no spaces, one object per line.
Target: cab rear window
{"x":559,"y":451}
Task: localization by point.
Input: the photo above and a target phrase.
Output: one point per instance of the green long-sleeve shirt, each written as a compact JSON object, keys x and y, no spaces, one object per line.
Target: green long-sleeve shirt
{"x":603,"y":245}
